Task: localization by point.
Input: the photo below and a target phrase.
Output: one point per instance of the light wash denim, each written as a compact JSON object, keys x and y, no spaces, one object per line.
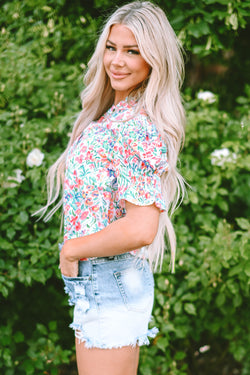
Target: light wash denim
{"x":113,"y":300}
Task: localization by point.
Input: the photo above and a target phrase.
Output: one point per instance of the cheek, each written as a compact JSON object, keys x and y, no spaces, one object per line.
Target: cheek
{"x":105,"y":61}
{"x":144,"y":70}
{"x":142,"y":67}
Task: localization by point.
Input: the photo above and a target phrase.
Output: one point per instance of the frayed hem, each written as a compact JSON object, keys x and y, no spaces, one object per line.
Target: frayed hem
{"x":90,"y":344}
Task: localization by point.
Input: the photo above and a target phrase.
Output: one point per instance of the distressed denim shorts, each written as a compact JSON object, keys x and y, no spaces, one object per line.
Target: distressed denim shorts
{"x":113,"y":300}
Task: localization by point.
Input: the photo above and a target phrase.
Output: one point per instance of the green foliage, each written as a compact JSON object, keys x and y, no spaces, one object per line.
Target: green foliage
{"x":206,"y":303}
{"x":209,"y":25}
{"x":42,"y":351}
{"x":215,"y":35}
{"x":44,"y":46}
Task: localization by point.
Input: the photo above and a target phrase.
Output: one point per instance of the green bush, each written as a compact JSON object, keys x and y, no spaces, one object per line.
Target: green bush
{"x":206,"y":303}
{"x":207,"y":26}
{"x":44,"y":46}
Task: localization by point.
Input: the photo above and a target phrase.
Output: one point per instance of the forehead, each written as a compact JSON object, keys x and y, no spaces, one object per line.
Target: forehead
{"x":122,"y":35}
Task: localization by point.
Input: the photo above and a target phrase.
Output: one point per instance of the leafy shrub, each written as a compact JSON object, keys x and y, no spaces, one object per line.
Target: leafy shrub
{"x":44,"y":45}
{"x":206,"y":303}
{"x":204,"y":26}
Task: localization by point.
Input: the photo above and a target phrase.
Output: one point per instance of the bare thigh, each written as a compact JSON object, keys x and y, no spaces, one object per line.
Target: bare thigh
{"x":95,"y":361}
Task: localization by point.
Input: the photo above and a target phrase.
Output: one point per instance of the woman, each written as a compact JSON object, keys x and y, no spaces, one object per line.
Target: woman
{"x":120,"y":185}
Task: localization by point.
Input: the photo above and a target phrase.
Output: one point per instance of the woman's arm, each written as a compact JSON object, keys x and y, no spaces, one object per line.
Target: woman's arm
{"x":138,"y":228}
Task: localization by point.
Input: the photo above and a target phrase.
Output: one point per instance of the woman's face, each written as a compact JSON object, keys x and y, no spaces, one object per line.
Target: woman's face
{"x":123,"y":62}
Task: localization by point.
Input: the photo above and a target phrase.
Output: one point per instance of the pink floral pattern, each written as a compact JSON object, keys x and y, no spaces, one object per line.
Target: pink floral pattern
{"x":119,"y":157}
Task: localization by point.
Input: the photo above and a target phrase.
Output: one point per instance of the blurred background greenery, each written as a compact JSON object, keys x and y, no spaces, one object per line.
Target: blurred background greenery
{"x":202,"y":310}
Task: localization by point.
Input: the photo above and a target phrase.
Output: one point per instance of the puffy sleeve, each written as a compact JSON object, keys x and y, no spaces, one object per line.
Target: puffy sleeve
{"x":140,"y":158}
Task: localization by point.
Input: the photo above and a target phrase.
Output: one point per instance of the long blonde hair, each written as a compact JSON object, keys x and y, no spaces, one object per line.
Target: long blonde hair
{"x":159,"y":96}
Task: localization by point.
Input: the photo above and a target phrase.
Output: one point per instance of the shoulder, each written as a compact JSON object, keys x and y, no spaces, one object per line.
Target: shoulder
{"x":129,"y":113}
{"x":141,"y":126}
{"x":140,"y":132}
{"x":136,"y":128}
{"x":140,"y":137}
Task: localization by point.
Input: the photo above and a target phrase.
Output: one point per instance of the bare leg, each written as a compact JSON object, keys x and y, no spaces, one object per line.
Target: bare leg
{"x":122,"y":361}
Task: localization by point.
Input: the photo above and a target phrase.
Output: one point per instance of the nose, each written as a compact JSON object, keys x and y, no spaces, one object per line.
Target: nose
{"x":118,"y":59}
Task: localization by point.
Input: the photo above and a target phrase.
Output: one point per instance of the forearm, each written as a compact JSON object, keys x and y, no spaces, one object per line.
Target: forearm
{"x":117,"y":238}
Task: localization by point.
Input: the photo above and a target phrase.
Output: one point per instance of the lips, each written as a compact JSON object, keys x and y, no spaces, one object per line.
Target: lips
{"x":119,"y":75}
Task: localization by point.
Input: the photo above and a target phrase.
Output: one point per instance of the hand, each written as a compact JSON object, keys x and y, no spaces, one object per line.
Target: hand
{"x":67,"y":266}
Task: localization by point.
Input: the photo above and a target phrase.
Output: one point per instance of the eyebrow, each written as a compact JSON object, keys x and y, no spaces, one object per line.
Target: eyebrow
{"x":127,"y":46}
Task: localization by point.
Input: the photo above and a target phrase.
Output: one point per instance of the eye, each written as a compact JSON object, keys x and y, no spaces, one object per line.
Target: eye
{"x":133,"y":52}
{"x":110,"y":48}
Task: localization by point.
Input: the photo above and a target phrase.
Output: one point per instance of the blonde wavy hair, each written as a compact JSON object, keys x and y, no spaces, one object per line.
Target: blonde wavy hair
{"x":159,"y":95}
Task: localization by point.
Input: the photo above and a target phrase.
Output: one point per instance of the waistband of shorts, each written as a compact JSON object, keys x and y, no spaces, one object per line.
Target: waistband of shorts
{"x":110,"y":258}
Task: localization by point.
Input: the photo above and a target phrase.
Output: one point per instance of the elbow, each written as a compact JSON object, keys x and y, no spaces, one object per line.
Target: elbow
{"x":147,"y":237}
{"x":142,"y":224}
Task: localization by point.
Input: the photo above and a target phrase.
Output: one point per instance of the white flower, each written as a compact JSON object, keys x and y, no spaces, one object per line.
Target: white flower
{"x":51,"y":24}
{"x":204,"y":348}
{"x":18,"y":178}
{"x":83,"y":19}
{"x":35,"y":158}
{"x":207,"y":96}
{"x":220,"y":157}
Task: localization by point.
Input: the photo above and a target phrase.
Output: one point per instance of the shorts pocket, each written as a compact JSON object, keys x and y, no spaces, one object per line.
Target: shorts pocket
{"x":136,"y":286}
{"x":75,"y":287}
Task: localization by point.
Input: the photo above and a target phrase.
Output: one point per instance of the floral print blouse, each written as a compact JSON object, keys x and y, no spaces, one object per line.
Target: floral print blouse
{"x":119,"y":157}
